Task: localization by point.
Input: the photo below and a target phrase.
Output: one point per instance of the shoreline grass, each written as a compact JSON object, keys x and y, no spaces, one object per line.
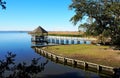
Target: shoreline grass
{"x":103,"y":55}
{"x":66,"y":33}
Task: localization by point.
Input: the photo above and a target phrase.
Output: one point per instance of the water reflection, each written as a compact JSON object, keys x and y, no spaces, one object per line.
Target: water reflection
{"x":20,"y":44}
{"x":21,"y":70}
{"x":67,"y":75}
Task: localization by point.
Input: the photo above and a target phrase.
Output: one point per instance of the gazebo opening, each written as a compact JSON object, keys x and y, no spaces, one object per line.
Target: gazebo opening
{"x":39,"y":35}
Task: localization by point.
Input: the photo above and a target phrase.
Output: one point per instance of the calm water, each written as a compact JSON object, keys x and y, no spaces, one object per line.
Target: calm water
{"x":20,"y":44}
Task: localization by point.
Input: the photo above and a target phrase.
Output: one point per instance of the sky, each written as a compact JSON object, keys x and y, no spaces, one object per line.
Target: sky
{"x":26,"y":15}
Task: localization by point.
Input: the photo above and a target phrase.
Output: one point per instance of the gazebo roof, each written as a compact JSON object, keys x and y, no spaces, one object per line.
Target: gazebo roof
{"x":38,"y":30}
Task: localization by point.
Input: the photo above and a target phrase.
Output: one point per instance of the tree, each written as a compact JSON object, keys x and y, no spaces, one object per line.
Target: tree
{"x":21,"y":70}
{"x":106,"y":15}
{"x":2,"y":4}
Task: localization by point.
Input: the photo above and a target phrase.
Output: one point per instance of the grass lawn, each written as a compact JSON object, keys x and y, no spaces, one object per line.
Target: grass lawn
{"x":97,"y":54}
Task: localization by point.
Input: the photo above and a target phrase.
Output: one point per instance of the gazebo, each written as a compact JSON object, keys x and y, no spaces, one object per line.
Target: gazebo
{"x":39,"y":35}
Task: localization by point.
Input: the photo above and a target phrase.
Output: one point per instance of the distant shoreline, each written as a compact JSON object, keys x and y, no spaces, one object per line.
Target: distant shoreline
{"x":14,"y":31}
{"x":48,"y":31}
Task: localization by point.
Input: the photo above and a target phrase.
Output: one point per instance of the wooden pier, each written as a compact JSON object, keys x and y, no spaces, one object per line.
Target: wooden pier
{"x":69,"y":40}
{"x":76,"y":63}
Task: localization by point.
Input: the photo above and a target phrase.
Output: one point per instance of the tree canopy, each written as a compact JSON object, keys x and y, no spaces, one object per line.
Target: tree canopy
{"x":106,"y":15}
{"x":2,"y":4}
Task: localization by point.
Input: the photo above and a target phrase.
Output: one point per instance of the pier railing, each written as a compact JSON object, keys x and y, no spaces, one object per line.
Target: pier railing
{"x":76,"y":38}
{"x":70,"y":40}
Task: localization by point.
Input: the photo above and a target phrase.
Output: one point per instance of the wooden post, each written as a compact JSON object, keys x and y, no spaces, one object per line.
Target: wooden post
{"x":74,"y":63}
{"x":58,"y":41}
{"x":85,"y":42}
{"x":43,"y":53}
{"x":56,"y":59}
{"x":62,"y":41}
{"x":46,"y":55}
{"x":64,"y":60}
{"x":38,"y":50}
{"x":85,"y":65}
{"x":53,"y":40}
{"x":78,"y":42}
{"x":72,"y":41}
{"x":99,"y":68}
{"x":48,"y":40}
{"x":67,"y":42}
{"x":51,"y":57}
{"x":35,"y":49}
